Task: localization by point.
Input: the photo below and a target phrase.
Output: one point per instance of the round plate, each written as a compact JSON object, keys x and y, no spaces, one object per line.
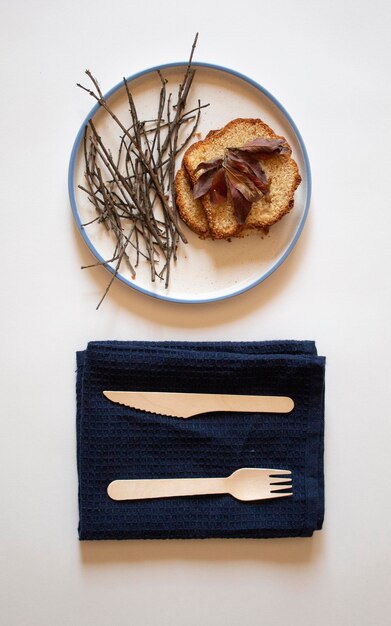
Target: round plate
{"x":206,"y":270}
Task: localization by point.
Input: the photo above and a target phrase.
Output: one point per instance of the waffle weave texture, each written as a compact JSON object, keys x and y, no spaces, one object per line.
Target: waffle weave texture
{"x":118,"y":442}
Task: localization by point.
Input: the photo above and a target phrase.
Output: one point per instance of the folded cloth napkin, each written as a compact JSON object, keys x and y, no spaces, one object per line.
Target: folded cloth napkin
{"x":117,"y":442}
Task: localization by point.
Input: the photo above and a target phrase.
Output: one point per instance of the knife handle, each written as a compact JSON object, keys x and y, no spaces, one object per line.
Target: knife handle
{"x":205,"y":403}
{"x":164,"y":488}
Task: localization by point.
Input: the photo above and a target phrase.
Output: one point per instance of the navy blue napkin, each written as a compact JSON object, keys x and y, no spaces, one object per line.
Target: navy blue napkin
{"x":117,"y":442}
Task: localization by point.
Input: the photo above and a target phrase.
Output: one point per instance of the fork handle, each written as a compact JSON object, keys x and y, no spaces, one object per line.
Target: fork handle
{"x":164,"y":488}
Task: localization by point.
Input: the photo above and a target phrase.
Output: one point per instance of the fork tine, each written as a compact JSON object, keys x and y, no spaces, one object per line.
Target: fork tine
{"x":278,"y":488}
{"x":281,"y":479}
{"x":279,"y":495}
{"x":279,"y":472}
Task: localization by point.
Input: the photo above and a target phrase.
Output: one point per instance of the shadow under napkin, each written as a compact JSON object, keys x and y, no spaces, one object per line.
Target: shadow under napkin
{"x":118,"y":442}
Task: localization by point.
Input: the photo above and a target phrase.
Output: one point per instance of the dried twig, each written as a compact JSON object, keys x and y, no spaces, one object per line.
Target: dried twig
{"x":134,"y":193}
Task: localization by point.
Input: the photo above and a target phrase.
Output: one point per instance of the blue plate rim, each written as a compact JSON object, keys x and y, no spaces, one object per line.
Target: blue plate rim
{"x":71,"y":182}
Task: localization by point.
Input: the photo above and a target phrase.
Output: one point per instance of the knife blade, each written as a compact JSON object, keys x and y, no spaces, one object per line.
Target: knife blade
{"x":189,"y":404}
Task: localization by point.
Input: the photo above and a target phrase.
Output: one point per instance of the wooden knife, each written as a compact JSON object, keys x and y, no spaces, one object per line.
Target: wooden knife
{"x":190,"y":404}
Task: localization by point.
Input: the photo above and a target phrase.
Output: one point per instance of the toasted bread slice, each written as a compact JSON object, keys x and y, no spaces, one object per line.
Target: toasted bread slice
{"x":282,"y":172}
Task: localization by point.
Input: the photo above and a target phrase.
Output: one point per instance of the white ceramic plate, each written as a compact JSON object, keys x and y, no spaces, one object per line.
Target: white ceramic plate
{"x":205,"y":270}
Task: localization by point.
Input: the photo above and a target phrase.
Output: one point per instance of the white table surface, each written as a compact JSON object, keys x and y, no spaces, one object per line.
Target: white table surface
{"x":328,"y":63}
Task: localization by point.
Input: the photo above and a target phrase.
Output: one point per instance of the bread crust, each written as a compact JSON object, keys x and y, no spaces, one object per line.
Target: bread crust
{"x":190,"y":210}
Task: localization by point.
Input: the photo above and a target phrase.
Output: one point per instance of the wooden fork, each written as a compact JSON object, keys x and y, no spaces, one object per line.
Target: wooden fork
{"x":244,"y":484}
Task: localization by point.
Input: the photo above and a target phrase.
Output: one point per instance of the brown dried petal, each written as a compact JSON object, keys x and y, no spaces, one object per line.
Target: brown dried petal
{"x":263,"y":147}
{"x":247,"y":164}
{"x":218,"y":190}
{"x":242,"y":183}
{"x":208,"y":165}
{"x":204,"y":183}
{"x":241,"y":205}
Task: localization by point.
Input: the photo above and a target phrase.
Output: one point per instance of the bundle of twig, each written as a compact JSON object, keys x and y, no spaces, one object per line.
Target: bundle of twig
{"x":133,"y":192}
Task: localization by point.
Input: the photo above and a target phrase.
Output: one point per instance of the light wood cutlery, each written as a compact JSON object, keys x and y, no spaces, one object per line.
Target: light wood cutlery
{"x":243,"y":484}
